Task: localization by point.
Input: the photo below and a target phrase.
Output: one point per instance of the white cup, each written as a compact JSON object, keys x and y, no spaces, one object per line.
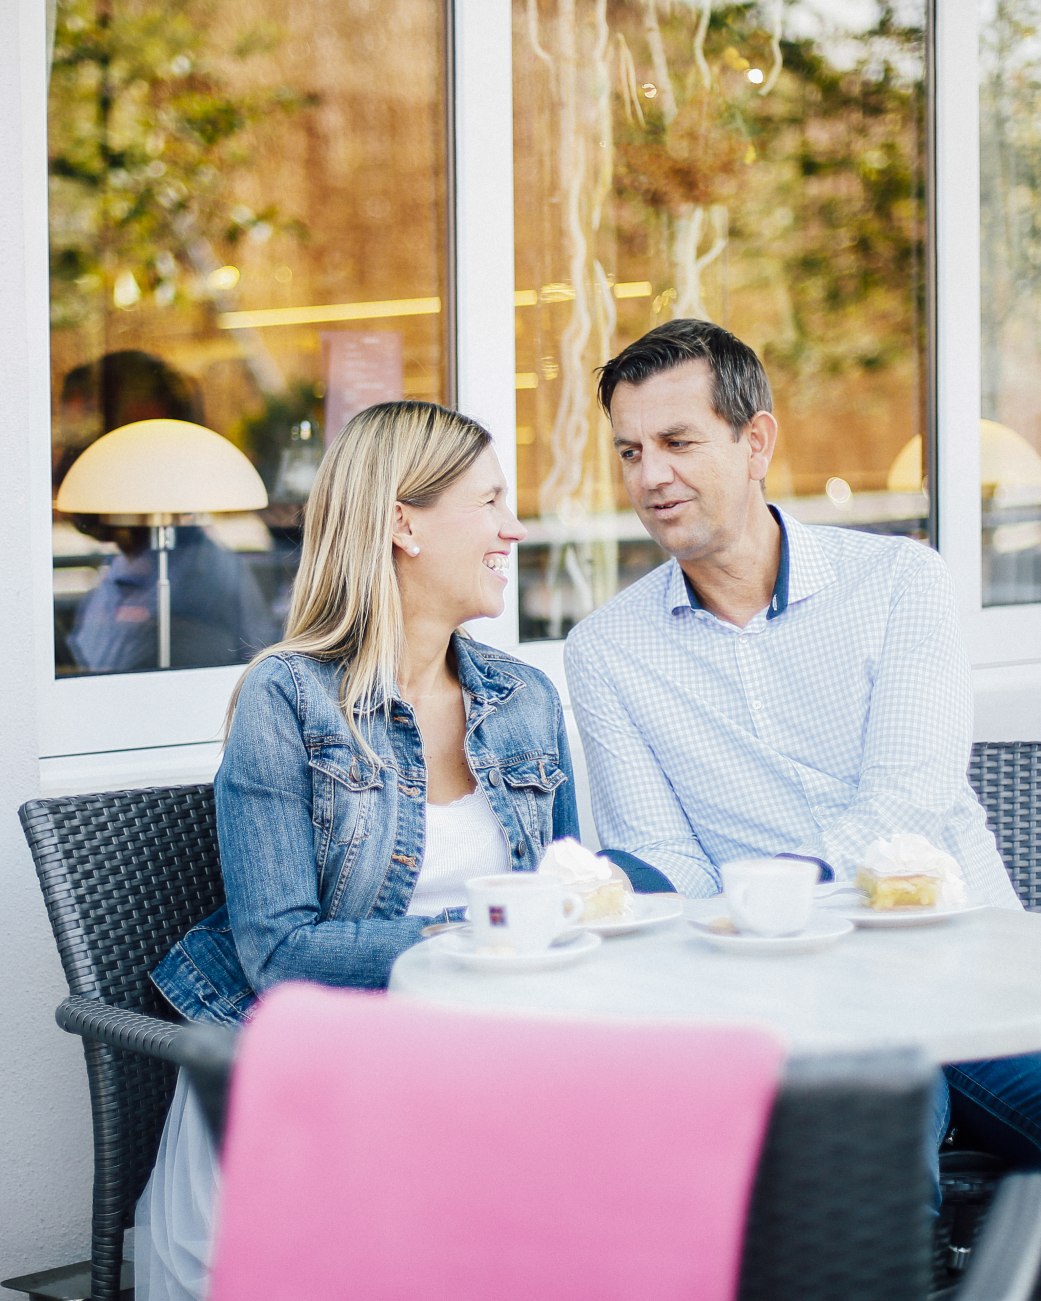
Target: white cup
{"x":520,"y":911}
{"x":769,"y":896}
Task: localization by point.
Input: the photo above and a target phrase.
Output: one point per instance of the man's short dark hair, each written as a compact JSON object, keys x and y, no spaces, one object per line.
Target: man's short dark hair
{"x":740,"y":387}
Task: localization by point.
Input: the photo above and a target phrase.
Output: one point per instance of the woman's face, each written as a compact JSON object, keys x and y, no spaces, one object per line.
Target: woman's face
{"x":464,"y":542}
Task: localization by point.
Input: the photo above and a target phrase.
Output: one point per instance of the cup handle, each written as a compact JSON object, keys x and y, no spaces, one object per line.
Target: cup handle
{"x":573,"y":907}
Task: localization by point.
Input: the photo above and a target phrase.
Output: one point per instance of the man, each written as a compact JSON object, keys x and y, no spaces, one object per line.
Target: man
{"x":774,"y":688}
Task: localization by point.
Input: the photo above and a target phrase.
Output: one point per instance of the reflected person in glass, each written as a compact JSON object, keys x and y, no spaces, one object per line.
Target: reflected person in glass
{"x":218,"y":613}
{"x":376,"y":759}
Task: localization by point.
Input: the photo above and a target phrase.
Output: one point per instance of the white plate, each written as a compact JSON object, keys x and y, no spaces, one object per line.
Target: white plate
{"x":824,"y":928}
{"x":648,"y":910}
{"x":861,"y":915}
{"x":460,"y":947}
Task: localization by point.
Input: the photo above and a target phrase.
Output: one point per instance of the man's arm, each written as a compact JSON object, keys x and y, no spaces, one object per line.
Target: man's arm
{"x":919,"y":726}
{"x":634,"y":806}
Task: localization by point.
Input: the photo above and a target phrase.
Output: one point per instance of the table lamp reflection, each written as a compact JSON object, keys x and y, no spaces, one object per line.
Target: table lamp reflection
{"x":1007,"y":462}
{"x":156,"y":473}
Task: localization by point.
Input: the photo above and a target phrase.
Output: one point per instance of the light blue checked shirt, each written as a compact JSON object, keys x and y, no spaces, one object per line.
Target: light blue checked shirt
{"x":841,"y":713}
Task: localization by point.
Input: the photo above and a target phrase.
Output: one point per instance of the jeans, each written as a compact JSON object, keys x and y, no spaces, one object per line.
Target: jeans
{"x":999,"y":1101}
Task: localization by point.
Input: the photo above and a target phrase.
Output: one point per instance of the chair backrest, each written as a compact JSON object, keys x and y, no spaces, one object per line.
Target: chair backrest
{"x":433,"y":1153}
{"x":124,"y":875}
{"x":839,"y":1205}
{"x":1006,"y":775}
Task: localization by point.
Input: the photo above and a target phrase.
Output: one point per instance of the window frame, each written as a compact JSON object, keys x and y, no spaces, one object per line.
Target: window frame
{"x":179,"y":714}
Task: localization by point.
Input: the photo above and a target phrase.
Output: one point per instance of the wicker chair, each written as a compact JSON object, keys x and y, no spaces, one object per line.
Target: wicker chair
{"x":1006,"y":775}
{"x":845,"y":1132}
{"x":124,"y":875}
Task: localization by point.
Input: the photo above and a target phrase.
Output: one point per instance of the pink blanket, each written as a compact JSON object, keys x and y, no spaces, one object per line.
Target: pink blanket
{"x":382,"y":1149}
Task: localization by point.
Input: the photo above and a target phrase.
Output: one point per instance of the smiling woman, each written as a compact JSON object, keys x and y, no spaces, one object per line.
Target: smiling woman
{"x":469,"y":531}
{"x":377,"y":758}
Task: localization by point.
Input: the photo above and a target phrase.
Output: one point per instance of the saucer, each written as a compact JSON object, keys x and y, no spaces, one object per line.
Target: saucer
{"x":861,"y":915}
{"x":648,"y":910}
{"x":823,"y":929}
{"x":460,"y":947}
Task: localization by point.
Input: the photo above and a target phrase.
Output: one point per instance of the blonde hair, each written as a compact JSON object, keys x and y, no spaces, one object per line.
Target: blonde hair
{"x":345,"y":604}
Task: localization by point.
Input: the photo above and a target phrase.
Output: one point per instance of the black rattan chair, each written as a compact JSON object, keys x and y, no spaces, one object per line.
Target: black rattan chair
{"x":838,"y":1207}
{"x":124,"y":875}
{"x":1006,"y":775}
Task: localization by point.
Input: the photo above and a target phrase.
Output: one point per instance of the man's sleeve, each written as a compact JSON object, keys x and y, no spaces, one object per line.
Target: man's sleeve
{"x":918,"y":731}
{"x":634,"y":805}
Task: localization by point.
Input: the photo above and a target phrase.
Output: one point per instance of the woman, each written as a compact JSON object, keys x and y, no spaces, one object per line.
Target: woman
{"x":376,"y":759}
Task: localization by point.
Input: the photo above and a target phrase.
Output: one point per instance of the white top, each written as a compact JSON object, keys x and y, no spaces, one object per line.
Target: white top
{"x":464,"y":839}
{"x":960,"y":989}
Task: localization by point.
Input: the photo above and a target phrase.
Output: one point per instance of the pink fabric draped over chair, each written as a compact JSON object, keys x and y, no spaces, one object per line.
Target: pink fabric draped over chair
{"x":377,"y":1149}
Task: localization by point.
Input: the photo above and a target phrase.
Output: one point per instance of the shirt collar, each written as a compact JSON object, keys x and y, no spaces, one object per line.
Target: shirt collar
{"x":803,"y":569}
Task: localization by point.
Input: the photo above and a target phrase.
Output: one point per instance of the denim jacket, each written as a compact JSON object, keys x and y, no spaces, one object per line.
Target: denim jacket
{"x":320,"y":847}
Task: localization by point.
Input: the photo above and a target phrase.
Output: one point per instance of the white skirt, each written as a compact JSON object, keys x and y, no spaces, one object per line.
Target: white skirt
{"x":173,"y":1224}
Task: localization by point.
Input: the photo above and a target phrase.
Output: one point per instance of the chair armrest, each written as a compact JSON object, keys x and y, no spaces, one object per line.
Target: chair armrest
{"x":1007,"y":1255}
{"x":93,"y":1018}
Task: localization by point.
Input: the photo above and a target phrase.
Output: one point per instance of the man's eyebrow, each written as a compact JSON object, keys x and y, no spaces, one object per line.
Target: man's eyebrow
{"x":659,"y":435}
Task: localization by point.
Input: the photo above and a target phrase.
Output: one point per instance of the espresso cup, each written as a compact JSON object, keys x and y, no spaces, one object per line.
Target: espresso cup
{"x":769,"y":896}
{"x":520,"y":911}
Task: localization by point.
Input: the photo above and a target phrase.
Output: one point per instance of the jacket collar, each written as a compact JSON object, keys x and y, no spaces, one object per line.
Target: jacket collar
{"x":481,"y":673}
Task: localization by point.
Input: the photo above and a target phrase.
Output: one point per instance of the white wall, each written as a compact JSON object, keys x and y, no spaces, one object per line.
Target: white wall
{"x":45,"y":1149}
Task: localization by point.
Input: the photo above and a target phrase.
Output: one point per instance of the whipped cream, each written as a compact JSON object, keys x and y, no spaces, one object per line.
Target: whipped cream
{"x":909,"y":853}
{"x":574,"y":865}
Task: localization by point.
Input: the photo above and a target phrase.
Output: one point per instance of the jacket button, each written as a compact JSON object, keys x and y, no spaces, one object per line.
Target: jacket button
{"x":495,"y":777}
{"x":518,"y":848}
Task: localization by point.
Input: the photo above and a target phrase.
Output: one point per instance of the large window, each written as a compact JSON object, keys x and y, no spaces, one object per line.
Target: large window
{"x":1010,"y":299}
{"x":248,"y":229}
{"x":762,"y":165}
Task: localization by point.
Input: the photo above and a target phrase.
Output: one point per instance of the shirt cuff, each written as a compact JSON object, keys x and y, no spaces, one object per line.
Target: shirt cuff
{"x":827,"y":872}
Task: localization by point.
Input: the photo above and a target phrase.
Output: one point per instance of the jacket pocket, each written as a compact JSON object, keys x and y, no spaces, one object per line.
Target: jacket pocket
{"x":531,"y":785}
{"x":347,"y":795}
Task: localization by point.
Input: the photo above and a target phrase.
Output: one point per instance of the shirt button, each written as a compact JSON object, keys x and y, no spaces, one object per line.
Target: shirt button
{"x":495,"y":777}
{"x":757,"y":704}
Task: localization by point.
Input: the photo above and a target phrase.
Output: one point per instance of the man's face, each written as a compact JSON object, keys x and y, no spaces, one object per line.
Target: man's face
{"x":691,"y":483}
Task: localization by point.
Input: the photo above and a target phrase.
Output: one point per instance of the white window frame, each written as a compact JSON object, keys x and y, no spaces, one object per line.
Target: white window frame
{"x":170,"y":722}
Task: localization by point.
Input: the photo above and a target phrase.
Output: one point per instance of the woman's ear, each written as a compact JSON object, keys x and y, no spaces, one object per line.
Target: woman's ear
{"x":402,"y":535}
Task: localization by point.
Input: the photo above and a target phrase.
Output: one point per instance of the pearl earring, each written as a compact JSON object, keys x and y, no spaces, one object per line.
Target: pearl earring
{"x":413,"y":551}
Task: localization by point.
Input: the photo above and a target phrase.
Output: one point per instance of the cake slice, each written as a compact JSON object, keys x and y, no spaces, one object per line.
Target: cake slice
{"x":605,"y":890}
{"x":908,"y":871}
{"x":898,"y":890}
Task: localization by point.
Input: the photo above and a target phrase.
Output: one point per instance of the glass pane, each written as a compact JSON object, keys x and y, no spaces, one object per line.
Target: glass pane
{"x":1010,"y":271}
{"x":248,"y":230}
{"x":761,"y":165}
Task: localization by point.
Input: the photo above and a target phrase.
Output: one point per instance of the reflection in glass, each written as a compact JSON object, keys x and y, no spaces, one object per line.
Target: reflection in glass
{"x":759,"y":165}
{"x":247,"y":230}
{"x":1010,"y":273}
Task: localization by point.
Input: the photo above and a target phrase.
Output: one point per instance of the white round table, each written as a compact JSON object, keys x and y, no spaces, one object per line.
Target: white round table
{"x":964,"y":988}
